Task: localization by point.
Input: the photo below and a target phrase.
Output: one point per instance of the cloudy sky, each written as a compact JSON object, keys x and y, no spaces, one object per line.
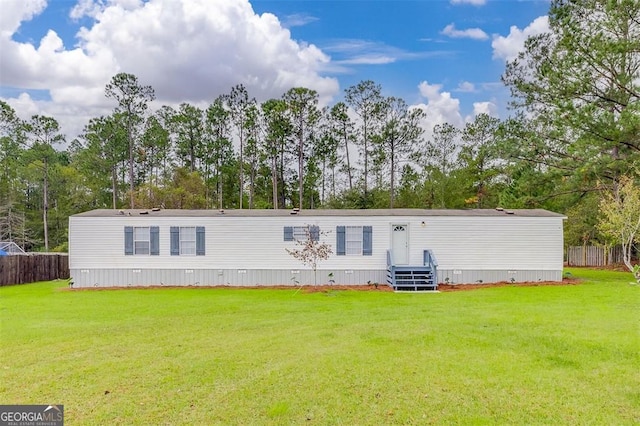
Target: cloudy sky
{"x":56,"y":56}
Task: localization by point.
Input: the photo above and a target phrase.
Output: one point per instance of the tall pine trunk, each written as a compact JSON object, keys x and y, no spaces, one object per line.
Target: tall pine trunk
{"x":45,"y":197}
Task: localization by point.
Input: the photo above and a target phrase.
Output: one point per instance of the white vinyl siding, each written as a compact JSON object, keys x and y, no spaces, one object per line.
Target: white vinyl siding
{"x":353,"y":240}
{"x":256,"y":243}
{"x":141,"y":240}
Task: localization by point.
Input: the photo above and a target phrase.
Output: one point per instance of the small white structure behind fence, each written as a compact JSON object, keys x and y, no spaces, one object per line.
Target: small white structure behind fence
{"x":10,"y":247}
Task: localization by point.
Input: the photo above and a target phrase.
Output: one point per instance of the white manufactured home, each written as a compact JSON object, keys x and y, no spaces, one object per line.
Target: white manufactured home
{"x":409,"y":249}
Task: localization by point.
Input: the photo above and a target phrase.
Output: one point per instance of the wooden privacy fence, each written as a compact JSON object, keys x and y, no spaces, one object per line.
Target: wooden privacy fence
{"x":593,"y":255}
{"x":32,"y":267}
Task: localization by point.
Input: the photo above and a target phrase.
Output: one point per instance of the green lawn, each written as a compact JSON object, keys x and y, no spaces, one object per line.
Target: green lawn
{"x":510,"y":355}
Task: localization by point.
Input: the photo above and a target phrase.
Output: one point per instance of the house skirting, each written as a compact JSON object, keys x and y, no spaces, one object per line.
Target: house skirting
{"x":475,"y":276}
{"x":84,"y":277}
{"x":219,"y":277}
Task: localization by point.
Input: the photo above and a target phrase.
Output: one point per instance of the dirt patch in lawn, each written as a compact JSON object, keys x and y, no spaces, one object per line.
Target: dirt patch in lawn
{"x":441,"y":287}
{"x":302,"y":289}
{"x":463,"y":287}
{"x":330,"y":288}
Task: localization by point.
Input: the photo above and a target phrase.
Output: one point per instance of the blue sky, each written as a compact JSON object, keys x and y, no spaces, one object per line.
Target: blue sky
{"x":400,"y":43}
{"x":446,"y":56}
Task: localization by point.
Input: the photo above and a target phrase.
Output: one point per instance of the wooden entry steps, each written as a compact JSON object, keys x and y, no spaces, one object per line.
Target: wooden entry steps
{"x":413,"y":278}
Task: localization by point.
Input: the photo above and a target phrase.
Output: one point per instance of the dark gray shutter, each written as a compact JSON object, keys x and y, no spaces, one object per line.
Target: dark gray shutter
{"x":174,"y":239}
{"x":128,"y":240}
{"x":288,"y":233}
{"x":154,"y":233}
{"x":367,"y":240}
{"x":200,"y":241}
{"x":340,"y":241}
{"x":314,"y":233}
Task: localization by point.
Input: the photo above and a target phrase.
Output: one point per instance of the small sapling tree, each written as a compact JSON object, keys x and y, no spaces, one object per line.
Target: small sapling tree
{"x":311,"y":250}
{"x":620,"y":221}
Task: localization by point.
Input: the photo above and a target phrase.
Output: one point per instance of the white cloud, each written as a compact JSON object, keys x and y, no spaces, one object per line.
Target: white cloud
{"x":84,"y":8}
{"x":369,"y":59}
{"x":507,"y":48}
{"x":439,"y":107}
{"x":16,"y":12}
{"x":298,"y":20}
{"x":71,"y":116}
{"x":25,"y":105}
{"x":466,"y":86}
{"x":488,"y":108}
{"x":473,"y":33}
{"x":188,"y":51}
{"x":473,"y":2}
{"x":366,"y":52}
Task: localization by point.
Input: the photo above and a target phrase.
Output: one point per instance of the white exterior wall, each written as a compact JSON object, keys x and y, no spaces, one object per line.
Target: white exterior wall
{"x":230,"y":242}
{"x":251,"y":250}
{"x":488,"y":243}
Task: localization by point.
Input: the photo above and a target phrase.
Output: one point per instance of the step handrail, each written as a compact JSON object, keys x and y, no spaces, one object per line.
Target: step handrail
{"x":429,"y":259}
{"x":391,"y":269}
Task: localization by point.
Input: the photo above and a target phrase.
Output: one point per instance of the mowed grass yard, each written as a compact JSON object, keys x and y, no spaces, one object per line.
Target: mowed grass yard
{"x":507,"y":355}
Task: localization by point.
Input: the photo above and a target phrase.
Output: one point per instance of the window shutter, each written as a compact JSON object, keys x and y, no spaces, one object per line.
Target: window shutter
{"x":314,"y":233}
{"x":340,"y":241}
{"x":174,"y":237}
{"x":367,"y":240}
{"x":288,"y":233}
{"x":128,"y":240}
{"x":200,"y":241}
{"x":154,"y":234}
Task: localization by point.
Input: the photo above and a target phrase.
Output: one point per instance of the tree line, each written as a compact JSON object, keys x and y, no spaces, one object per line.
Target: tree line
{"x":573,"y":135}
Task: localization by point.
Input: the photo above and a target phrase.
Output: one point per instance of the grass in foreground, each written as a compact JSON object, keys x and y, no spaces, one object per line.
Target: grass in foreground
{"x":517,"y":355}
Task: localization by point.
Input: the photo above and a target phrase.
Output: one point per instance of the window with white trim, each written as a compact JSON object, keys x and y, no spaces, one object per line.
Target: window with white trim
{"x":353,"y":240}
{"x":141,"y":240}
{"x":300,"y":233}
{"x":188,"y":240}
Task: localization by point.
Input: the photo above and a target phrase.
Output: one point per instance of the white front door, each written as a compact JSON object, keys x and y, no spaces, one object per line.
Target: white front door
{"x":400,"y":243}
